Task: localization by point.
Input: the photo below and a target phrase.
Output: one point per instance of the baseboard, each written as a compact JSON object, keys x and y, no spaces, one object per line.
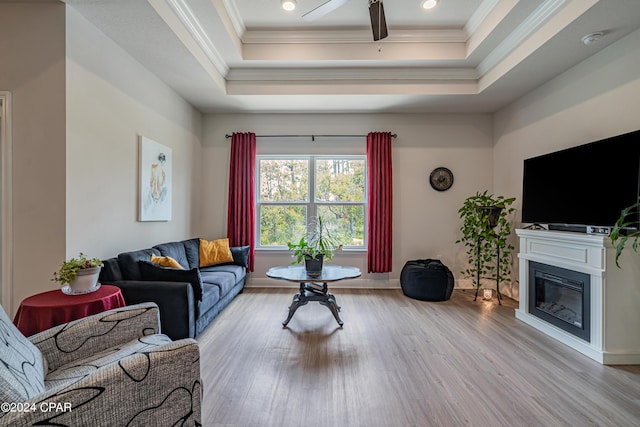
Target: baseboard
{"x":362,"y":283}
{"x":265,"y":282}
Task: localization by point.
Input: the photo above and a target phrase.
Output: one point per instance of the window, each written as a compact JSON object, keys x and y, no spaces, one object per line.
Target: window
{"x":292,"y":190}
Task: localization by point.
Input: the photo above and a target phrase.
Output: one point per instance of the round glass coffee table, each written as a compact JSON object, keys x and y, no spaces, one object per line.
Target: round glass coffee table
{"x":314,"y":288}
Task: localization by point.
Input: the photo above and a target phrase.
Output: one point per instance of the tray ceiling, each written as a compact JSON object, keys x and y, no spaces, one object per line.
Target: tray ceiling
{"x":462,"y":56}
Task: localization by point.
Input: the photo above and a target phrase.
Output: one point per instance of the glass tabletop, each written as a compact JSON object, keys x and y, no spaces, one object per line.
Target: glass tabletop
{"x":330,"y":273}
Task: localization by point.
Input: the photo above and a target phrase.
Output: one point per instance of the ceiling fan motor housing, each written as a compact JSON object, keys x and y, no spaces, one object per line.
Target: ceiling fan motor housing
{"x":378,"y":21}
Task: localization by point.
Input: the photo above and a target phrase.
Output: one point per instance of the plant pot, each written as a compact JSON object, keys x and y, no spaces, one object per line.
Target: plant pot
{"x":314,"y":265}
{"x":86,"y":280}
{"x":492,"y":213}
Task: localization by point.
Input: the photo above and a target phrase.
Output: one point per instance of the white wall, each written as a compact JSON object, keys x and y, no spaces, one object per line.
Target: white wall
{"x":32,"y":68}
{"x":111,"y":100}
{"x":426,"y":222}
{"x":597,"y":98}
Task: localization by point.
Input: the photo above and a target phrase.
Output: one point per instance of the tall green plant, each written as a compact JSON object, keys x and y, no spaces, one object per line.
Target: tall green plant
{"x":481,"y":240}
{"x":318,"y":241}
{"x":629,"y":218}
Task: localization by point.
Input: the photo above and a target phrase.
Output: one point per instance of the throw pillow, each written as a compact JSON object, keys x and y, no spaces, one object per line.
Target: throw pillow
{"x":241,"y":255}
{"x":165,"y":261}
{"x":214,"y":252}
{"x":153,"y":272}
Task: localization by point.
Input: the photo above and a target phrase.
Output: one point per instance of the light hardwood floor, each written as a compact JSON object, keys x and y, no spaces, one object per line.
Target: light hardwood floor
{"x":401,"y":362}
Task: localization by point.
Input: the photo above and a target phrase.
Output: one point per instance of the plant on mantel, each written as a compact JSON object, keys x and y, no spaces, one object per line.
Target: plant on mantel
{"x":485,"y":229}
{"x":629,"y":220}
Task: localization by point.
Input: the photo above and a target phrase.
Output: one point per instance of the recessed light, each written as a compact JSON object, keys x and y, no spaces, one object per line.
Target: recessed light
{"x":288,"y":5}
{"x":429,"y":4}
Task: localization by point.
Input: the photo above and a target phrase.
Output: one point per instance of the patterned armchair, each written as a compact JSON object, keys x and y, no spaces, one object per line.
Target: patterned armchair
{"x":110,"y":369}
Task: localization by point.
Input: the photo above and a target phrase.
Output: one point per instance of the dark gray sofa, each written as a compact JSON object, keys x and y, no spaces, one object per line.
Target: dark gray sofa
{"x":188,"y":299}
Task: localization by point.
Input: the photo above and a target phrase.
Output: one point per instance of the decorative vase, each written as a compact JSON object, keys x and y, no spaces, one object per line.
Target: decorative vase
{"x":86,"y":280}
{"x":314,"y":265}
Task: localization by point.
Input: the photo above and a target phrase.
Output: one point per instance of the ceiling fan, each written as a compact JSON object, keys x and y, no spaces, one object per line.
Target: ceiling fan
{"x":376,"y":13}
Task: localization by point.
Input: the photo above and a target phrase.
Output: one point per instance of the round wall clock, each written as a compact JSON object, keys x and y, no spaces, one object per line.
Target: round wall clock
{"x":441,"y":179}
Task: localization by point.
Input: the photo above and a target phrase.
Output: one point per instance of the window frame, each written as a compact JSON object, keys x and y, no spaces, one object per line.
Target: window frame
{"x":311,"y":203}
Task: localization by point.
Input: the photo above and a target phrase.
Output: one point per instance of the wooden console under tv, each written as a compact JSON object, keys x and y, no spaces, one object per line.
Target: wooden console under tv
{"x":615,"y":292}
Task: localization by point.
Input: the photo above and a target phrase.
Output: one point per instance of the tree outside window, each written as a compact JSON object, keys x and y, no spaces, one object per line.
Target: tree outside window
{"x":292,"y":190}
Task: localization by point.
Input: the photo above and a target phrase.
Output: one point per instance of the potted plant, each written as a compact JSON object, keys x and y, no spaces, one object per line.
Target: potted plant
{"x":623,"y":229}
{"x":485,"y":230}
{"x":316,"y":247}
{"x":80,"y":274}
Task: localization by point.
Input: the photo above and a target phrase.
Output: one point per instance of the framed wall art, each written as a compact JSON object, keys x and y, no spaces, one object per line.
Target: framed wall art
{"x":155,"y":181}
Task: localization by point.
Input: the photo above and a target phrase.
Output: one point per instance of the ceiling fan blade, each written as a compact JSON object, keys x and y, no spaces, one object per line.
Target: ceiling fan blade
{"x":323,"y":9}
{"x":378,"y":22}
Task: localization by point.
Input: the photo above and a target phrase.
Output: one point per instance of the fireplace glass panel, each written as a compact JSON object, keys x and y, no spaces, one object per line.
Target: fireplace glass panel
{"x":560,"y":297}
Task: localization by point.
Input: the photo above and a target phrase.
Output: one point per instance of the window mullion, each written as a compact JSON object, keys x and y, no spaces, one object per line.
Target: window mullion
{"x":312,"y":210}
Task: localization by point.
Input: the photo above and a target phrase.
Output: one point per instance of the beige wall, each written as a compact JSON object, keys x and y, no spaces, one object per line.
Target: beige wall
{"x":32,"y":58}
{"x":596,"y":99}
{"x":79,"y":105}
{"x":111,"y":101}
{"x":425,"y":221}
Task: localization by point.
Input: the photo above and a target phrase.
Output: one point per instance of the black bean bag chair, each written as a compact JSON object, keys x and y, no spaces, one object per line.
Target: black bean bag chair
{"x":426,"y":280}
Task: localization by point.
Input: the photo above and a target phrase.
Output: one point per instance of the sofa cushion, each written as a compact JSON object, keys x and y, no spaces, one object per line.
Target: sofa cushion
{"x":222,"y":279}
{"x":110,"y":272}
{"x":176,"y":251}
{"x":236,"y":270}
{"x":128,"y":261}
{"x":22,"y":366}
{"x":210,"y":297}
{"x":150,"y":271}
{"x":192,"y":250}
{"x":214,"y":252}
{"x":166,"y":261}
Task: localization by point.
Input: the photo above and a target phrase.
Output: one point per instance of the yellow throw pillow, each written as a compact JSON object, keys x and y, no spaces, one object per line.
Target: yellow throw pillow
{"x":165,"y":261}
{"x":214,"y":252}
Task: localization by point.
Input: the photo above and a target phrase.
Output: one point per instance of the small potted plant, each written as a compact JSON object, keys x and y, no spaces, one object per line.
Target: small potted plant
{"x":314,"y":248}
{"x":78,"y":275}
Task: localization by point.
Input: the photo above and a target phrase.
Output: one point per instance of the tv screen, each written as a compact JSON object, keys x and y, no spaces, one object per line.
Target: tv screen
{"x":586,"y":185}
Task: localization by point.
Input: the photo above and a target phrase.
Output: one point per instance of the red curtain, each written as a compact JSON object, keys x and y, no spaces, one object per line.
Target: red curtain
{"x":379,"y":213}
{"x":242,"y":184}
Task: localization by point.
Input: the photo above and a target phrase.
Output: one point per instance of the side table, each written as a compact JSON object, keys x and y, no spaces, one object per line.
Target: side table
{"x":48,"y":309}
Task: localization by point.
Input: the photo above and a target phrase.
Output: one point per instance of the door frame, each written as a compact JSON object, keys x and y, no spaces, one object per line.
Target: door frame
{"x":6,"y":217}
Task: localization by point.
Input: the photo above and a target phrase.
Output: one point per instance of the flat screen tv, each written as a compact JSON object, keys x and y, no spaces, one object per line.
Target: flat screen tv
{"x":587,"y":185}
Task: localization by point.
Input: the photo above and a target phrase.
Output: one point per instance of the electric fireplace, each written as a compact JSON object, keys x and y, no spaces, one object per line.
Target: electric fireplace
{"x":561,"y":297}
{"x":571,"y":290}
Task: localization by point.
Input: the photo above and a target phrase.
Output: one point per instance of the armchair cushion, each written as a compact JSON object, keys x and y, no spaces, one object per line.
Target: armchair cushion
{"x":22,"y":367}
{"x":85,"y":337}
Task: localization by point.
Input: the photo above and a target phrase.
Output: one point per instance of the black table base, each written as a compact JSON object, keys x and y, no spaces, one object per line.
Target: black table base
{"x":310,"y":291}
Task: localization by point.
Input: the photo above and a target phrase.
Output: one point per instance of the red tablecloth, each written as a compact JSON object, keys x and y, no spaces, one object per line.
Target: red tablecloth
{"x":49,"y":309}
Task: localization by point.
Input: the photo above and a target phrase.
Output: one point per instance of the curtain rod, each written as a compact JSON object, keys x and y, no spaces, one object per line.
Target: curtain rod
{"x":313,"y":137}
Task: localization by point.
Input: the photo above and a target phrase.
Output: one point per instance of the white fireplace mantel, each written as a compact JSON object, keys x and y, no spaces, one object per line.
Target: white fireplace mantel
{"x":615,"y":292}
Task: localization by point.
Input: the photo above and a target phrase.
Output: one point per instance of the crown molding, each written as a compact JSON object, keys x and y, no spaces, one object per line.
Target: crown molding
{"x":363,"y":35}
{"x":233,"y":13}
{"x":478,"y":17}
{"x":199,"y":35}
{"x":540,"y":15}
{"x":359,"y":74}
